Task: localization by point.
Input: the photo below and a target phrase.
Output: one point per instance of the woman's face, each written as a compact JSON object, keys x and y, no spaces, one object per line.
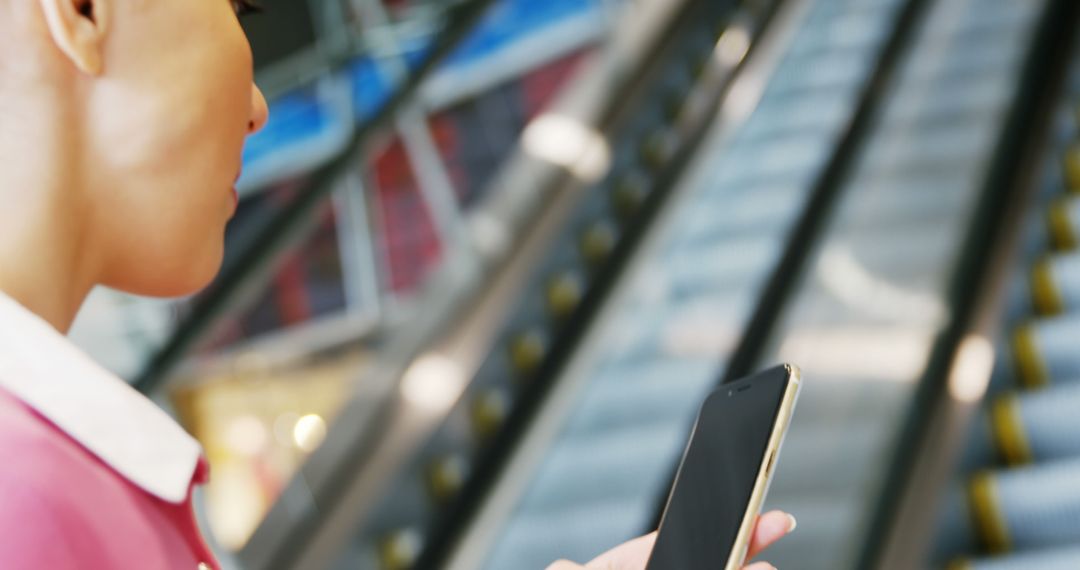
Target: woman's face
{"x":167,"y":120}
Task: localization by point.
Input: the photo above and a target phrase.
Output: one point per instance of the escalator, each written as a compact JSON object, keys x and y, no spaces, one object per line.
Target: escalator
{"x":603,"y":453}
{"x":1009,"y":500}
{"x":746,"y":183}
{"x":447,"y":458}
{"x":864,"y":309}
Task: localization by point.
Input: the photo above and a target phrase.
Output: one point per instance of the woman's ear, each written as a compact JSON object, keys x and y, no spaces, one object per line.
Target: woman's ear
{"x":78,"y":29}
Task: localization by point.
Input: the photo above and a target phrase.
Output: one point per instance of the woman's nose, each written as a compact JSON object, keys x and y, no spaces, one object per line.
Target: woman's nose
{"x":259,"y":111}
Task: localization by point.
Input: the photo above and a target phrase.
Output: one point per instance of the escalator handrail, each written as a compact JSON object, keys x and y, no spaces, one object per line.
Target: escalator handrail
{"x":783,"y":281}
{"x":1013,"y":161}
{"x":278,"y":233}
{"x":444,"y":535}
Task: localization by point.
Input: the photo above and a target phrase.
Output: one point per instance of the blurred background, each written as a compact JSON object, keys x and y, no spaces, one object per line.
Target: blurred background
{"x":491,"y":255}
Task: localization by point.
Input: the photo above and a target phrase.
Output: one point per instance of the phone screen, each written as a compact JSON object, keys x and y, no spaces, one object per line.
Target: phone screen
{"x":719,"y":469}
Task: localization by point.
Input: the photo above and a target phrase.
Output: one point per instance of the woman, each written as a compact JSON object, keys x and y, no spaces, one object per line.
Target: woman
{"x":122,"y":130}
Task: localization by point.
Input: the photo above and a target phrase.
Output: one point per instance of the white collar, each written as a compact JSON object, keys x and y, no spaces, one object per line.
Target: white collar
{"x":123,"y":428}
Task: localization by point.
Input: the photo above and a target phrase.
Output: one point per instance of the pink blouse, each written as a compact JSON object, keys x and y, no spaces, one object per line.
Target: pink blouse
{"x":93,"y":475}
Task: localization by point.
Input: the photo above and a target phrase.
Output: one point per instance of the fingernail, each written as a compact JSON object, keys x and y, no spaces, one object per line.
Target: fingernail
{"x":792,"y":523}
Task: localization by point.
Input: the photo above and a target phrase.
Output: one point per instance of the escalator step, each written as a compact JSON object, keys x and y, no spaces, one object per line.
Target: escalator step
{"x":1027,"y":507}
{"x":625,"y":465}
{"x":659,"y":148}
{"x":1052,"y":559}
{"x":399,"y":550}
{"x":1055,"y":284}
{"x":527,"y":351}
{"x":1046,"y":293}
{"x":1072,"y":168}
{"x":446,"y":476}
{"x":1045,"y":351}
{"x":629,"y":194}
{"x":597,"y":242}
{"x":489,"y":410}
{"x":1063,"y":220}
{"x":1037,"y":426}
{"x":564,"y":291}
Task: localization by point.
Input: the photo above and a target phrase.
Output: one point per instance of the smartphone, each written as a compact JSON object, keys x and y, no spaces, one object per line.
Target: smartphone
{"x":725,"y":473}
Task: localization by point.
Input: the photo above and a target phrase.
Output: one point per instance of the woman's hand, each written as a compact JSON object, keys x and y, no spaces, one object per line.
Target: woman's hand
{"x":633,"y":555}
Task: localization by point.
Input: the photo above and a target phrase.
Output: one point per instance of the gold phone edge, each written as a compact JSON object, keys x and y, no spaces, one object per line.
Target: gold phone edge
{"x":765,"y":471}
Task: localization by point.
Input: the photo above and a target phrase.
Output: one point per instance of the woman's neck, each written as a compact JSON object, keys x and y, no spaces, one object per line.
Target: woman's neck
{"x":44,"y":262}
{"x":40,"y":267}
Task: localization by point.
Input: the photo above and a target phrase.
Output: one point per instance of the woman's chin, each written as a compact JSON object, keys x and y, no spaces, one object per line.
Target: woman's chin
{"x":172,"y":280}
{"x":183,"y":287}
